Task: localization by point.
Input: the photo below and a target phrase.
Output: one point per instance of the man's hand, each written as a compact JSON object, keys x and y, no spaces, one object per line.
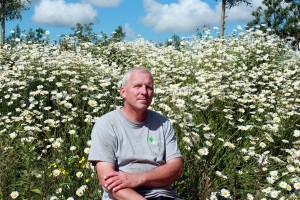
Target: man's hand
{"x":118,"y":180}
{"x":104,"y":170}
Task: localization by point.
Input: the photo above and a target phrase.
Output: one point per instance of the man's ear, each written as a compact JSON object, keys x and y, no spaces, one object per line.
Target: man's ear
{"x":122,"y":92}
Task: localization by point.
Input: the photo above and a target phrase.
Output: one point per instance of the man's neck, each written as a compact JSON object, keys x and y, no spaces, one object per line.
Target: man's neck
{"x":134,"y":115}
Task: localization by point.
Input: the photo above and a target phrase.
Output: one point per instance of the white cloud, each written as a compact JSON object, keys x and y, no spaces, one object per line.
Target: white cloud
{"x":187,"y":15}
{"x":241,"y":12}
{"x":34,"y":1}
{"x":60,"y":13}
{"x":184,"y":16}
{"x":130,"y":33}
{"x":27,"y":3}
{"x":103,"y":3}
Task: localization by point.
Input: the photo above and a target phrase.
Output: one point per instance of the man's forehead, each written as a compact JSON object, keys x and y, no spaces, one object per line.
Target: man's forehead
{"x":136,"y":75}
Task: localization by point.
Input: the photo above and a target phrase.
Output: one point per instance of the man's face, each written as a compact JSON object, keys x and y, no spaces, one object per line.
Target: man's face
{"x":138,"y":91}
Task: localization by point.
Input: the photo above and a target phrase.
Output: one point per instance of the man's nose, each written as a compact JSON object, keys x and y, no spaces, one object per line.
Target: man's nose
{"x":143,"y":89}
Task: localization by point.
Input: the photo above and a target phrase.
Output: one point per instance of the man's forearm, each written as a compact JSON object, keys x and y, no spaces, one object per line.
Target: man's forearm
{"x":158,"y":177}
{"x":127,"y":194}
{"x":163,"y":175}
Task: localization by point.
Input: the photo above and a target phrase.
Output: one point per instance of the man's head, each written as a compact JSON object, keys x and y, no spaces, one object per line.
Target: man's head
{"x":136,"y":69}
{"x":137,"y":89}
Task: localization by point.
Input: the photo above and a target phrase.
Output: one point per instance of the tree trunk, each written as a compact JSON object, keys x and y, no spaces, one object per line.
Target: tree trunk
{"x":2,"y":17}
{"x":223,"y":18}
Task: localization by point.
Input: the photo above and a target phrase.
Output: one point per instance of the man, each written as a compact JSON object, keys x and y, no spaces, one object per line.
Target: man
{"x":134,"y":149}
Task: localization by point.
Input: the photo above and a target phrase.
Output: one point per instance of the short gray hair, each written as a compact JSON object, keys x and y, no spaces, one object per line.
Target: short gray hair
{"x":129,"y":72}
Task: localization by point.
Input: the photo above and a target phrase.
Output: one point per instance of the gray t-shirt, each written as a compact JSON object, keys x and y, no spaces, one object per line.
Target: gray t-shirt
{"x":134,"y":148}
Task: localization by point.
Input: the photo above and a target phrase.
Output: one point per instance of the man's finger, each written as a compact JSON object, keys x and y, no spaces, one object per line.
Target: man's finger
{"x":119,"y":187}
{"x":110,"y":175}
{"x":115,"y":185}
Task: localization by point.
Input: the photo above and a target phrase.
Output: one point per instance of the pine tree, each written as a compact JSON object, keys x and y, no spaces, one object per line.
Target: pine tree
{"x":118,"y":35}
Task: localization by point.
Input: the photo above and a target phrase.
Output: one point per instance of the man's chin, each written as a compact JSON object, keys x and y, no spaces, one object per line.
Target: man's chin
{"x":143,"y":106}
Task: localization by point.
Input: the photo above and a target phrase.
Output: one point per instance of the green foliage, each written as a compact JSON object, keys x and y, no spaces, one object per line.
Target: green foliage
{"x":280,"y":17}
{"x":104,"y":39}
{"x":10,"y":10}
{"x":232,"y":3}
{"x":13,"y":8}
{"x":118,"y":35}
{"x":175,"y":41}
{"x":19,"y":36}
{"x":16,"y":33}
{"x":84,"y":33}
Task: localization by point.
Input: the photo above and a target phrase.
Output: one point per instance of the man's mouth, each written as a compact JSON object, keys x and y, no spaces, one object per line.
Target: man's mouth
{"x":142,"y":99}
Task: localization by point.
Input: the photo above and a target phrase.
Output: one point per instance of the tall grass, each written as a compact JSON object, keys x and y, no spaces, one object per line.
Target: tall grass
{"x":234,"y":104}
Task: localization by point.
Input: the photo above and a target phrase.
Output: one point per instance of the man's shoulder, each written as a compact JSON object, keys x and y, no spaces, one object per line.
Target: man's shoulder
{"x":107,"y":117}
{"x":154,"y":112}
{"x":157,"y":116}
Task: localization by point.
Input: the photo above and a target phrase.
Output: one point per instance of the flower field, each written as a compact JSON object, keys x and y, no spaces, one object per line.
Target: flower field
{"x":234,"y":104}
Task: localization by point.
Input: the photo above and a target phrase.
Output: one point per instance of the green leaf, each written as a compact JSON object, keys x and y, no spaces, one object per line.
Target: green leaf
{"x":38,"y":191}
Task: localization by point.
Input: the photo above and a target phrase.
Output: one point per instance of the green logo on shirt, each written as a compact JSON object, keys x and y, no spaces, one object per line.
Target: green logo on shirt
{"x":150,"y":139}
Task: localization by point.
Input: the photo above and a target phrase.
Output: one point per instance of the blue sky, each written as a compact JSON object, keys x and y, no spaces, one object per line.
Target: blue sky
{"x":154,"y":20}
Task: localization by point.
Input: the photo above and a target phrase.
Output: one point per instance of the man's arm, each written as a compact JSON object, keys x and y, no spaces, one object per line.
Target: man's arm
{"x":163,"y":175}
{"x":104,"y":169}
{"x":158,"y":177}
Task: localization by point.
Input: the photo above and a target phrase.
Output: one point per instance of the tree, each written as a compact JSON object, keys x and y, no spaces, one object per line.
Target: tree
{"x":10,"y":10}
{"x":282,"y":17}
{"x":32,"y":36}
{"x":229,"y":4}
{"x":39,"y":34}
{"x":16,"y":33}
{"x":175,"y":40}
{"x":118,"y":35}
{"x":84,"y":33}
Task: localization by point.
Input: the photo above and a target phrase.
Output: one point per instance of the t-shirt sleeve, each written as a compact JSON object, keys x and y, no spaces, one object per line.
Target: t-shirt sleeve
{"x":103,"y":146}
{"x":172,"y":149}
